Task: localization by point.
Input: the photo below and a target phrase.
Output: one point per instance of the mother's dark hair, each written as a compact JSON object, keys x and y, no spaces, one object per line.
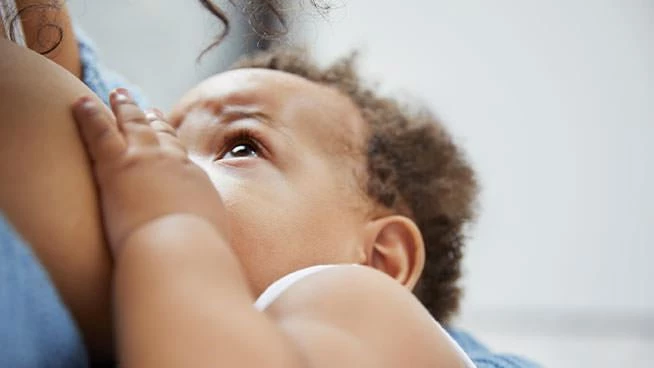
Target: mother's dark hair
{"x":266,"y":18}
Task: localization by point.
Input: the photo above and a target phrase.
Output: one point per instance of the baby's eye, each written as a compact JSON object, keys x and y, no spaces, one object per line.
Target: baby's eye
{"x":242,"y":150}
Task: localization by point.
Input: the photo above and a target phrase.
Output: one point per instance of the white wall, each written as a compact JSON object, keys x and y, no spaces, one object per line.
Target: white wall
{"x":554,"y":101}
{"x":155,"y":43}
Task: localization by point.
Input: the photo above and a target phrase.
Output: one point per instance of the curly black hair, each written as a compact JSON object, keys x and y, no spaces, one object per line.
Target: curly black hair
{"x":50,"y":31}
{"x":266,"y":18}
{"x":413,"y":168}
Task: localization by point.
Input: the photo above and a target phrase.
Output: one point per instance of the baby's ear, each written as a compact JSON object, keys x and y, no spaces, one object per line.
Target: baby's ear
{"x":394,"y":246}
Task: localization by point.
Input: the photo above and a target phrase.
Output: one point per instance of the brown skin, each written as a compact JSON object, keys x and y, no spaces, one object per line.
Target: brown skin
{"x":190,"y":261}
{"x":291,"y":176}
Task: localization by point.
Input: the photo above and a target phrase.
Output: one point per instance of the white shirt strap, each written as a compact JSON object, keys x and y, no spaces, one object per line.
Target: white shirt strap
{"x":278,"y":287}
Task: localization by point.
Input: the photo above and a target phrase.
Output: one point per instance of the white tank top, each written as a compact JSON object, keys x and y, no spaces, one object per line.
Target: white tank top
{"x":278,"y":287}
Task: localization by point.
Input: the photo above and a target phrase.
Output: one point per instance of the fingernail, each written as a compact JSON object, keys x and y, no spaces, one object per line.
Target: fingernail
{"x":120,"y":95}
{"x":158,"y":112}
{"x":124,"y":92}
{"x":86,"y":103}
{"x":120,"y":98}
{"x":151,"y":115}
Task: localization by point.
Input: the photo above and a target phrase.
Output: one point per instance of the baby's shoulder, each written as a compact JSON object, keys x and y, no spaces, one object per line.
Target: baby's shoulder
{"x":355,"y":307}
{"x":341,"y":288}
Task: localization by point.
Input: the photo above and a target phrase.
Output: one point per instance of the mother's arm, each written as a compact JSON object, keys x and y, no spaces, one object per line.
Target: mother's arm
{"x":48,"y":30}
{"x":47,"y":191}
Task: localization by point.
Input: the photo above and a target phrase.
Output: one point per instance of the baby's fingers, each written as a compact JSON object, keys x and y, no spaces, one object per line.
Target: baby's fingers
{"x":131,"y":120}
{"x":166,"y":134}
{"x":99,"y":132}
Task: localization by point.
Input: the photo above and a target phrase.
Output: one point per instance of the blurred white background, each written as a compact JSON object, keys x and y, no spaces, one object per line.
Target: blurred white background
{"x":155,"y":43}
{"x":554,"y":102}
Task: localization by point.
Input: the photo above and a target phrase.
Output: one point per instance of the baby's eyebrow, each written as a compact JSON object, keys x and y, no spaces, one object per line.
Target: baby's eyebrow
{"x":229,"y":115}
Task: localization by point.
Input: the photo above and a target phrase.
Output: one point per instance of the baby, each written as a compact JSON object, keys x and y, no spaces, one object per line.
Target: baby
{"x":281,"y":220}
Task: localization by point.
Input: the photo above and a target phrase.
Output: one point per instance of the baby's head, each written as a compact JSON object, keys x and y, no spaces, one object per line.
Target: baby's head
{"x":314,"y":168}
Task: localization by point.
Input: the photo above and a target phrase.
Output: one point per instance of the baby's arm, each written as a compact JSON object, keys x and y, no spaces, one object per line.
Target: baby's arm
{"x":180,"y":296}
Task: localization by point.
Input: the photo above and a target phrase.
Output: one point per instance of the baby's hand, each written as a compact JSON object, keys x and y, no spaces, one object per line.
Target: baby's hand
{"x":142,"y":170}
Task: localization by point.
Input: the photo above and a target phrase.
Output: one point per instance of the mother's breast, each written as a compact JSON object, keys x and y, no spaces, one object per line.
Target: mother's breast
{"x":47,"y":191}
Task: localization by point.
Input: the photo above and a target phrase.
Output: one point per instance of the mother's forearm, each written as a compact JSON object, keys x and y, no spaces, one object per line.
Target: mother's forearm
{"x":48,"y":30}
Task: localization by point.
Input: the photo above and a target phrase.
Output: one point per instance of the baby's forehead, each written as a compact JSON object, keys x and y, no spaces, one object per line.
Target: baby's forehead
{"x":265,"y":86}
{"x":317,"y":111}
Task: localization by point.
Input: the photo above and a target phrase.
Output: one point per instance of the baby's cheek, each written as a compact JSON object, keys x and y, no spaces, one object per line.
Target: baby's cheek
{"x":258,"y":243}
{"x":266,"y":236}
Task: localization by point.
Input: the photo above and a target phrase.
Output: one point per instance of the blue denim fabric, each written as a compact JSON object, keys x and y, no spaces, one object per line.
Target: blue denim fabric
{"x":36,"y":330}
{"x":484,"y":358}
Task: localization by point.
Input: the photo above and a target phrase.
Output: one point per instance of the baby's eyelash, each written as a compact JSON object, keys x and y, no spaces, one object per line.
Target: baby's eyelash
{"x":240,"y":136}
